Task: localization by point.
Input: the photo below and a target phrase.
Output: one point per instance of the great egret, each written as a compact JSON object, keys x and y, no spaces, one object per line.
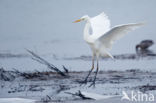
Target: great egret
{"x":102,"y":37}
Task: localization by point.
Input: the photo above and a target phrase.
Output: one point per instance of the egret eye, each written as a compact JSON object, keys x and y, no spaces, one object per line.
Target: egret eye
{"x":82,"y":18}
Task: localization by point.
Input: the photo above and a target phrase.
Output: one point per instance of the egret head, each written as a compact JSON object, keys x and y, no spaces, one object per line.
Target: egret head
{"x":83,"y":18}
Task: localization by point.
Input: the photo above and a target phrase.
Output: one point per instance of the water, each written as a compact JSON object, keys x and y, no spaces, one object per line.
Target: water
{"x":46,"y":27}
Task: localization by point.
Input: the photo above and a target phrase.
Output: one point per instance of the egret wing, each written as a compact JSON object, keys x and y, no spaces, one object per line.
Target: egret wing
{"x":106,"y":40}
{"x":100,"y":24}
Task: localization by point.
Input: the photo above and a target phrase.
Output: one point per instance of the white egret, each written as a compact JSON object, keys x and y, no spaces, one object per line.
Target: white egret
{"x":102,"y":37}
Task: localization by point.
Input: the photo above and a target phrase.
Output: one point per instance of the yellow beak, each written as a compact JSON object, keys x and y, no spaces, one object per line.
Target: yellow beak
{"x":77,"y":21}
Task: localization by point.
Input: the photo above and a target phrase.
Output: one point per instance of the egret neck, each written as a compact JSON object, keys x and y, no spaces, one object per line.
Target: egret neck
{"x":86,"y":35}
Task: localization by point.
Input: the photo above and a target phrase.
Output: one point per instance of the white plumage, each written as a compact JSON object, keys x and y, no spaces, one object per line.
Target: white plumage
{"x":100,"y":24}
{"x":106,"y":41}
{"x":103,"y":36}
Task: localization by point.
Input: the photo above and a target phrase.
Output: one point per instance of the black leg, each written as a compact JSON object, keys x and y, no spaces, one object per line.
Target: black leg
{"x":97,"y":69}
{"x":85,"y":81}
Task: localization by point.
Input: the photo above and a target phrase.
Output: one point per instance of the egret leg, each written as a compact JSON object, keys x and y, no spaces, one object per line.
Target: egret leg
{"x":97,"y":69}
{"x":85,"y":81}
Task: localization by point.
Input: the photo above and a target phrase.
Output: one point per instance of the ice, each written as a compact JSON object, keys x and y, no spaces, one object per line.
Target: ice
{"x":16,"y":100}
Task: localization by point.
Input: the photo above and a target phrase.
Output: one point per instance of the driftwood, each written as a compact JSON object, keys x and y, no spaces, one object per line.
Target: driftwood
{"x":65,"y":69}
{"x":79,"y":94}
{"x":7,"y":75}
{"x":43,"y":61}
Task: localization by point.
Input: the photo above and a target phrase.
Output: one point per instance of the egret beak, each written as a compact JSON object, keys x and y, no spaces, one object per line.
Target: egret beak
{"x":77,"y":21}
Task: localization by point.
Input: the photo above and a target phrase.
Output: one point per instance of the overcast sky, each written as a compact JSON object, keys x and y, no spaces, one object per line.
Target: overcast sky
{"x":35,"y":23}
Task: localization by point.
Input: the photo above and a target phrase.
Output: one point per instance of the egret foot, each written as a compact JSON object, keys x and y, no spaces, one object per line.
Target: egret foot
{"x":92,"y":84}
{"x":85,"y":81}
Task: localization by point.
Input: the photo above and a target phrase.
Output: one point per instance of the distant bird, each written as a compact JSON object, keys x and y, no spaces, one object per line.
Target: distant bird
{"x":144,"y":45}
{"x":102,"y":37}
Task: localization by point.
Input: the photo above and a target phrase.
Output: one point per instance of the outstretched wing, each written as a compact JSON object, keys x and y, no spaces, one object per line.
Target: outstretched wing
{"x":100,"y":24}
{"x":106,"y":40}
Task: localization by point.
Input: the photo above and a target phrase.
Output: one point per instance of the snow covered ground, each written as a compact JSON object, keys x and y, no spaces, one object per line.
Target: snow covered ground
{"x":54,"y":88}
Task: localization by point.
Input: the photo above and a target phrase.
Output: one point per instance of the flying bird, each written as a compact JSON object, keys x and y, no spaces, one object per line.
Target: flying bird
{"x":100,"y":37}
